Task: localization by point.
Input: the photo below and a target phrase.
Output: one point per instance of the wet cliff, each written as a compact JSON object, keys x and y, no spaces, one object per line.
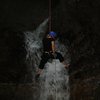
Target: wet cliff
{"x":82,"y":31}
{"x":76,"y":21}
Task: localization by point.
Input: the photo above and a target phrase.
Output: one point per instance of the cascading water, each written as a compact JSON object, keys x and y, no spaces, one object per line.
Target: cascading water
{"x":54,"y":81}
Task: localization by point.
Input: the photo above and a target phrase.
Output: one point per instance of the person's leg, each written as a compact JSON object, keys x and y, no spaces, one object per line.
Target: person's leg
{"x":43,"y":61}
{"x":61,"y":59}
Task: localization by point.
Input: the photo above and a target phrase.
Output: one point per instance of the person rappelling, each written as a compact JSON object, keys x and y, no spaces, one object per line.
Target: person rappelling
{"x":49,"y":52}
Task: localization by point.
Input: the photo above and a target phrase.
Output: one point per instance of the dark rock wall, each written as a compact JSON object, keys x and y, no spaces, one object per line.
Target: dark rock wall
{"x":12,"y":55}
{"x":22,"y":13}
{"x":77,"y":21}
{"x":80,"y":25}
{"x":16,"y":17}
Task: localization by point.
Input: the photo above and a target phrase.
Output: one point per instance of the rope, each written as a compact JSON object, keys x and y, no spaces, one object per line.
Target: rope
{"x":49,"y":15}
{"x":50,"y":24}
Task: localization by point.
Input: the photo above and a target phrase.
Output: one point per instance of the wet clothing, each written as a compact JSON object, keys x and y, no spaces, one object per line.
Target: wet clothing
{"x":47,"y":47}
{"x":47,"y":54}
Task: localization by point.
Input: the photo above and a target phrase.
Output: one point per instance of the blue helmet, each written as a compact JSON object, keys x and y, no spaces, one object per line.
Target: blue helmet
{"x":52,"y":34}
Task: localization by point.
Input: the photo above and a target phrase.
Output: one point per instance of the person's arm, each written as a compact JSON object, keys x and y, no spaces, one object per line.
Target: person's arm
{"x":53,"y":46}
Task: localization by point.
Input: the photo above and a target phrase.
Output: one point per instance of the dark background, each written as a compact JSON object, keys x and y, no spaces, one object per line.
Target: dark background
{"x":77,"y":21}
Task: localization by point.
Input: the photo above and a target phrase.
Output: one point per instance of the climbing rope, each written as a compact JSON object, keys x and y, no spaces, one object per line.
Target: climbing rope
{"x":50,"y":29}
{"x":50,"y":15}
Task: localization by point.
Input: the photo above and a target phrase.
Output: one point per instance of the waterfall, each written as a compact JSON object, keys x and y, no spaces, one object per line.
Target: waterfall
{"x":54,"y":80}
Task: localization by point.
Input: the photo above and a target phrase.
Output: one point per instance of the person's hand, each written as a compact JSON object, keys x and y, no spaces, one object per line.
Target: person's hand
{"x":67,"y":66}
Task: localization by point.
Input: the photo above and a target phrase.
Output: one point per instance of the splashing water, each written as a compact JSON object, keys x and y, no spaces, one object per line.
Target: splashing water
{"x":54,"y":81}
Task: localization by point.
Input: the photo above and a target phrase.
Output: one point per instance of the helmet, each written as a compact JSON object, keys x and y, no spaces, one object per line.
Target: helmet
{"x":53,"y":34}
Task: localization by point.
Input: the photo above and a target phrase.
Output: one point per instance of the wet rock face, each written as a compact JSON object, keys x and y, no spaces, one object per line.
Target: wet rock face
{"x":22,"y":14}
{"x":16,"y":17}
{"x":84,"y":49}
{"x":12,"y":55}
{"x":84,"y":72}
{"x":79,"y":23}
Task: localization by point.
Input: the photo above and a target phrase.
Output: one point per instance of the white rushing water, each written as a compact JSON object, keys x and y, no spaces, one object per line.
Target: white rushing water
{"x":54,"y":80}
